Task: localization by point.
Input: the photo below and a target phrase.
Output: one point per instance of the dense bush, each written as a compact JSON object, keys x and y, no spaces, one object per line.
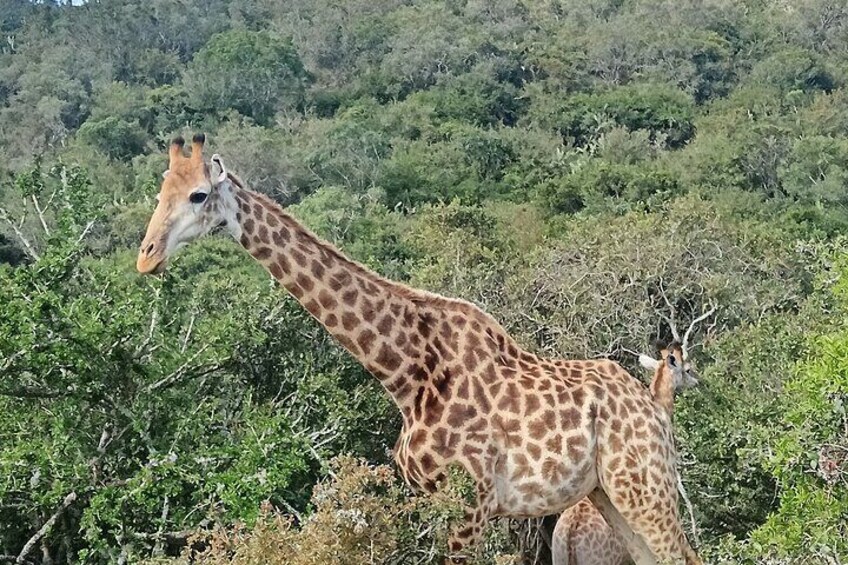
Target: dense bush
{"x":364,"y":515}
{"x":655,"y":108}
{"x":808,"y":457}
{"x":115,"y":137}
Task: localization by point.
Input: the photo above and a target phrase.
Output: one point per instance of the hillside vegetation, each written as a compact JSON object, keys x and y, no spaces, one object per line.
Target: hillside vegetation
{"x":583,"y":170}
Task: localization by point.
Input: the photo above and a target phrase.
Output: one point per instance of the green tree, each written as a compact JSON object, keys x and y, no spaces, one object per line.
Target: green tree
{"x":117,"y":138}
{"x":810,"y":454}
{"x":793,"y":70}
{"x":167,"y":403}
{"x":255,"y":73}
{"x":598,"y":184}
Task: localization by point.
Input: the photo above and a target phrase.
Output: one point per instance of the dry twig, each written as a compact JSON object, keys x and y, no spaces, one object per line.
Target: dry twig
{"x":45,"y":529}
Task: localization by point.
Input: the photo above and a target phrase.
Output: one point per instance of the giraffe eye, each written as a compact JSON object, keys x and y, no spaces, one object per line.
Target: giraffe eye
{"x":197,"y":197}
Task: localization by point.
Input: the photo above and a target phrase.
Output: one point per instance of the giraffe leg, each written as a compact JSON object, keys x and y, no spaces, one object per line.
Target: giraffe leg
{"x":583,"y":537}
{"x":636,"y":546}
{"x":559,"y":551}
{"x":470,"y":531}
{"x":653,"y":521}
{"x":662,"y":531}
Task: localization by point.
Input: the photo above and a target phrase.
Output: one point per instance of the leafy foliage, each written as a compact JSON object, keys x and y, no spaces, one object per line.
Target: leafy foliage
{"x":251,"y":72}
{"x":810,"y":460}
{"x":363,"y":515}
{"x":654,"y":108}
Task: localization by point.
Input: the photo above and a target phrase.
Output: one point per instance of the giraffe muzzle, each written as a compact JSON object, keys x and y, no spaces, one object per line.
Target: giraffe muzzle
{"x":150,"y":260}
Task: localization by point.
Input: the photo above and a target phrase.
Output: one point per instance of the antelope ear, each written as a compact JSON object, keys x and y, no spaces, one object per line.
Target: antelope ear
{"x":648,"y":362}
{"x":218,"y":171}
{"x":165,"y":174}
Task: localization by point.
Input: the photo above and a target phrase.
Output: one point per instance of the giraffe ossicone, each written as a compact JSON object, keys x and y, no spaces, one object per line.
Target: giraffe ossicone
{"x":536,"y":435}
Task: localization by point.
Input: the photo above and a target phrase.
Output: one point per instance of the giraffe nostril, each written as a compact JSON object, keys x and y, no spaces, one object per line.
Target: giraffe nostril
{"x":149,"y":249}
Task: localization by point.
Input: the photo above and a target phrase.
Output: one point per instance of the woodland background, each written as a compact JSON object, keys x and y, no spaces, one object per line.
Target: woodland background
{"x":579,"y":168}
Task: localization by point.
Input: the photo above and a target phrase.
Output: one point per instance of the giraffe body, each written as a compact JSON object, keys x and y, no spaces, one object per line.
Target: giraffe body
{"x":546,"y":426}
{"x":536,"y":435}
{"x":582,"y":536}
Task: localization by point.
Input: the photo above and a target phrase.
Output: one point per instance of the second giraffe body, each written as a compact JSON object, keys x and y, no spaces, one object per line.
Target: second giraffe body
{"x":582,"y":536}
{"x":536,"y":435}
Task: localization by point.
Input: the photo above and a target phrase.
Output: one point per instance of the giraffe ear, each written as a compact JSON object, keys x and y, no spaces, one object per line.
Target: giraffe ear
{"x":218,"y":172}
{"x":648,"y":362}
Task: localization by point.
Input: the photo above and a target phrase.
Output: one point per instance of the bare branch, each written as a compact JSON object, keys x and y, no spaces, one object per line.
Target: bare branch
{"x":630,"y":351}
{"x":670,"y":319}
{"x":695,"y":322}
{"x":45,"y":529}
{"x":158,"y":547}
{"x":50,"y":200}
{"x":154,"y":318}
{"x":689,"y":509}
{"x":4,"y":215}
{"x":174,"y":377}
{"x":28,"y":392}
{"x":187,"y":336}
{"x":85,"y":231}
{"x":321,"y":461}
{"x":40,"y":214}
{"x":179,"y":536}
{"x":105,"y":438}
{"x":11,"y":360}
{"x":292,"y":510}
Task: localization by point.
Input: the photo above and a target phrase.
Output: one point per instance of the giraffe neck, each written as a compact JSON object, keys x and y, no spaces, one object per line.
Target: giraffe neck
{"x":662,"y":389}
{"x":362,"y":310}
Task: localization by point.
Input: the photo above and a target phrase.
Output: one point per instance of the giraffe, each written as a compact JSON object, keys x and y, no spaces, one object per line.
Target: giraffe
{"x":582,"y":536}
{"x":536,"y":435}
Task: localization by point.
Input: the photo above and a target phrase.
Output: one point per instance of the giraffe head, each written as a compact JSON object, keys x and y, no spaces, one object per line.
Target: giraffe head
{"x":189,"y":205}
{"x":674,"y":363}
{"x":674,"y":359}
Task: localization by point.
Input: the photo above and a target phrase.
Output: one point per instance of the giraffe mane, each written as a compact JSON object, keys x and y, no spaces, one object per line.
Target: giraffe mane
{"x":235,"y":180}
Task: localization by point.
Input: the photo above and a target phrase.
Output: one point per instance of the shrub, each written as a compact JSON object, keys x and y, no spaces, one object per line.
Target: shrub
{"x":362,"y":515}
{"x":598,"y":184}
{"x":581,"y":117}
